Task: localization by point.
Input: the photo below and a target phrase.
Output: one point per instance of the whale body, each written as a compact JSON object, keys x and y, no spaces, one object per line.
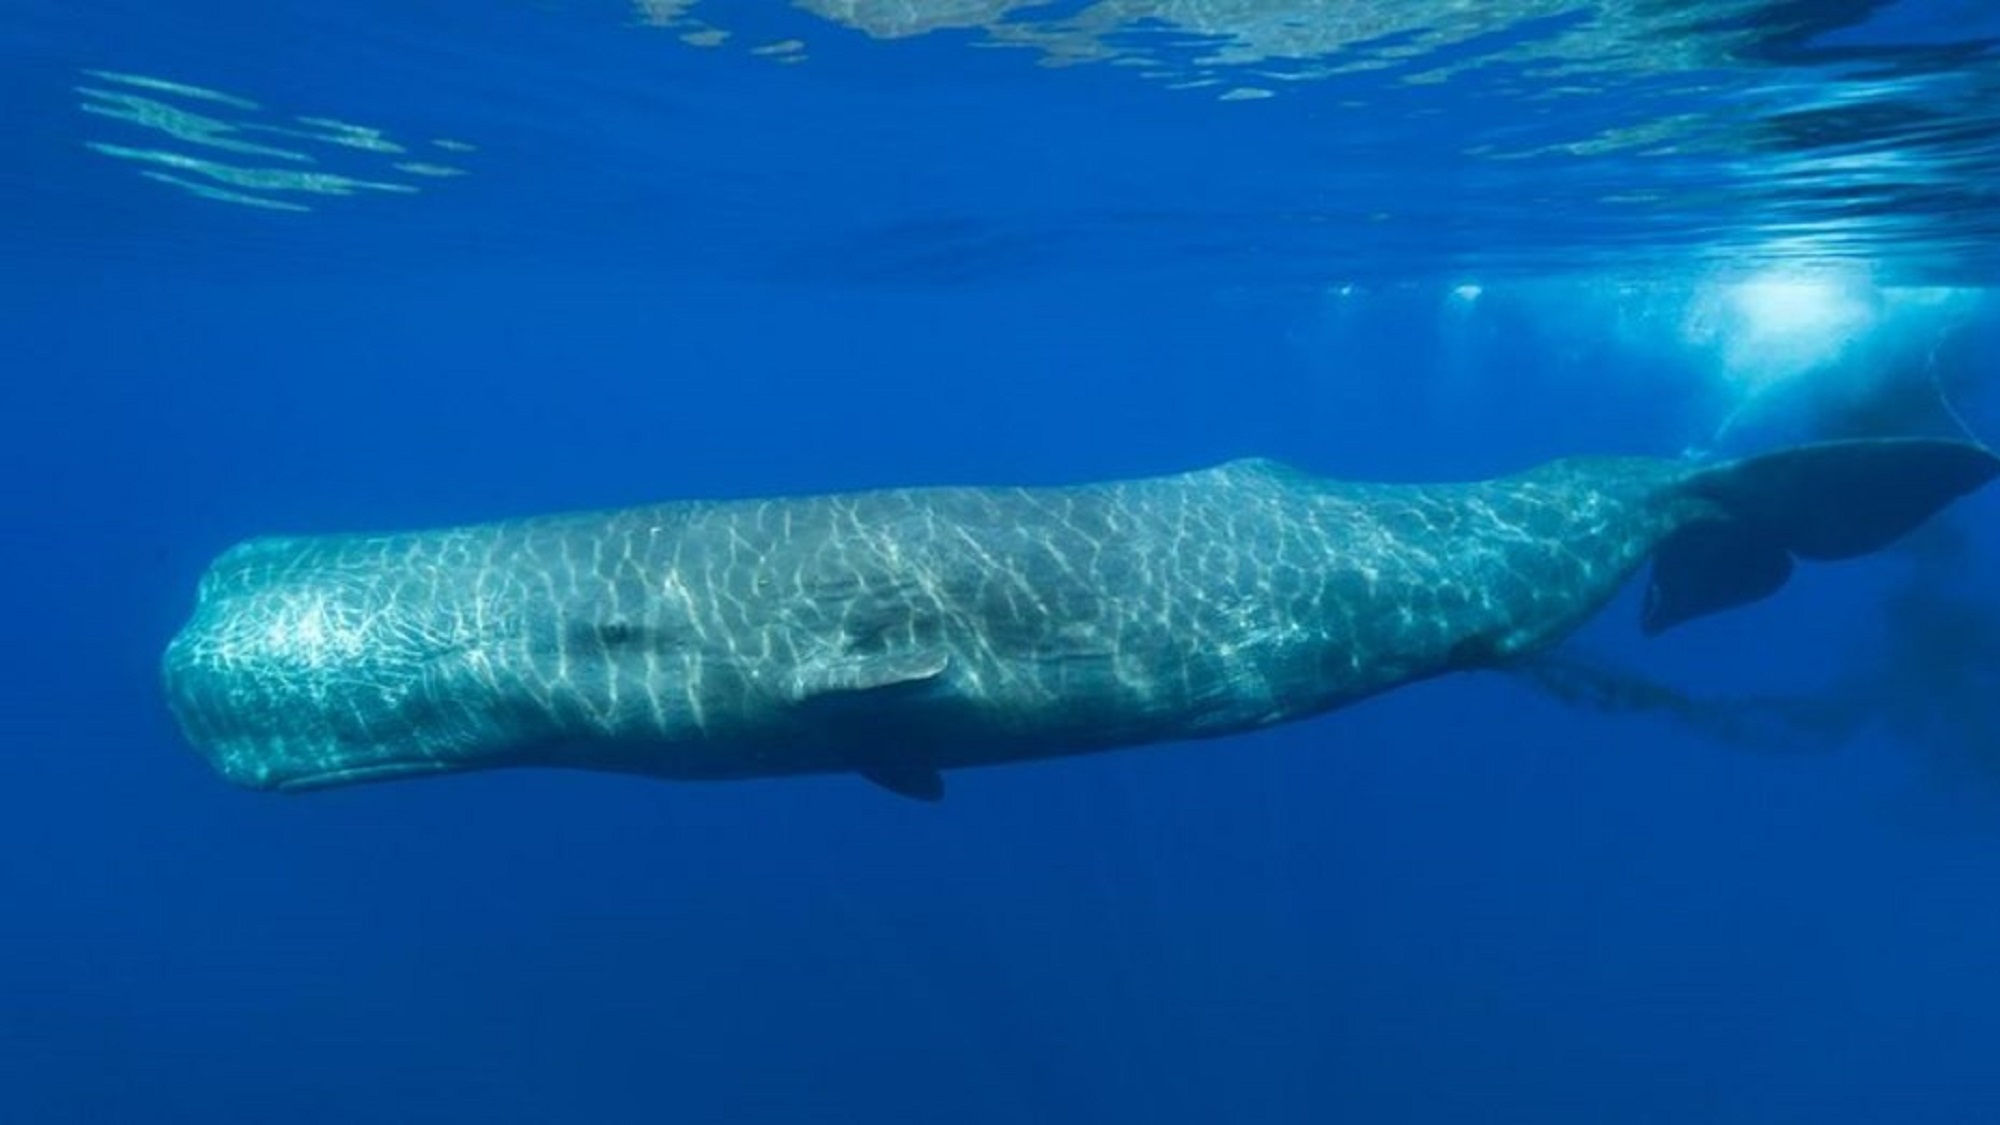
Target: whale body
{"x":899,"y":633}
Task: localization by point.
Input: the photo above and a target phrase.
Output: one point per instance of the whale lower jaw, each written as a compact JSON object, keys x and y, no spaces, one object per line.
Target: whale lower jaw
{"x":334,"y":779}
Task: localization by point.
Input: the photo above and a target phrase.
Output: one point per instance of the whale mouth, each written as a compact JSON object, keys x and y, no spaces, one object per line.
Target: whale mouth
{"x":359,"y":775}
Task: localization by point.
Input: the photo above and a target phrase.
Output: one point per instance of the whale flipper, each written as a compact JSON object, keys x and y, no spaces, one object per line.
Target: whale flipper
{"x":911,"y":779}
{"x":1830,"y":500}
{"x":843,"y":682}
{"x":849,"y":697}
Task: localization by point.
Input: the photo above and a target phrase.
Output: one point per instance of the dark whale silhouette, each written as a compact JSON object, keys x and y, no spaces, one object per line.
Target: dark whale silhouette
{"x":899,"y":633}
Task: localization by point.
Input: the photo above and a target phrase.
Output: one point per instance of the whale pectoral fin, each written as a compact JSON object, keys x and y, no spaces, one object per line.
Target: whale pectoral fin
{"x":905,"y":779}
{"x":863,"y":702}
{"x":858,"y":676}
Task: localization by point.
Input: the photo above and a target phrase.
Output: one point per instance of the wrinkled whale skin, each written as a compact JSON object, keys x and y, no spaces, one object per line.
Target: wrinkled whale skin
{"x":897,"y":633}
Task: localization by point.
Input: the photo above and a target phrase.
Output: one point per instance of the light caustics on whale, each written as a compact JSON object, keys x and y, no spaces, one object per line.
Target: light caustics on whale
{"x":895,"y":634}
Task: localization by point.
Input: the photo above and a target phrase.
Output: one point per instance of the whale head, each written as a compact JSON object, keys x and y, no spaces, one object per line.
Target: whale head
{"x":309,"y":663}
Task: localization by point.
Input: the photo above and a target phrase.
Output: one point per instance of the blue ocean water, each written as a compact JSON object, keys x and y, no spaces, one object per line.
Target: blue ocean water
{"x":289,"y":268}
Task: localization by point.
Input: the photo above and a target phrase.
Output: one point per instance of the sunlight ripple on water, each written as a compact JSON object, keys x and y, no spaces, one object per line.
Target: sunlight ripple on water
{"x":1287,"y":142}
{"x":1650,"y":123}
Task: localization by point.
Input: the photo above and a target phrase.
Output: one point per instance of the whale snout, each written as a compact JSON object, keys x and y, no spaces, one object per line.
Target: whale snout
{"x":261,"y":687}
{"x":296,"y":671}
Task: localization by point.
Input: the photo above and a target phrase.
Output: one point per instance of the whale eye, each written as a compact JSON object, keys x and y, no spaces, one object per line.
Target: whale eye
{"x":612,"y":634}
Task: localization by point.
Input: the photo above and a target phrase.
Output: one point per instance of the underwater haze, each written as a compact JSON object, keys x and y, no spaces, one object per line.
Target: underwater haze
{"x":289,"y":269}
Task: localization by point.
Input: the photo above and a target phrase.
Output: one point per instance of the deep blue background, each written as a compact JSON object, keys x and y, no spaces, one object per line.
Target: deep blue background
{"x":1458,"y":903}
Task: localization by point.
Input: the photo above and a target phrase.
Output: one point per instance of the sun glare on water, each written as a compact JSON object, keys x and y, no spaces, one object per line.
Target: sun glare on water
{"x":1778,"y":325}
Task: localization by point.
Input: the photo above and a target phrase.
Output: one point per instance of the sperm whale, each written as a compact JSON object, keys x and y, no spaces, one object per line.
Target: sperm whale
{"x":899,"y":633}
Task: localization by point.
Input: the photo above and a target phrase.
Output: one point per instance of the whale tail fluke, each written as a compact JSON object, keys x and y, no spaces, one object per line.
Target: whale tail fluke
{"x":1830,"y":500}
